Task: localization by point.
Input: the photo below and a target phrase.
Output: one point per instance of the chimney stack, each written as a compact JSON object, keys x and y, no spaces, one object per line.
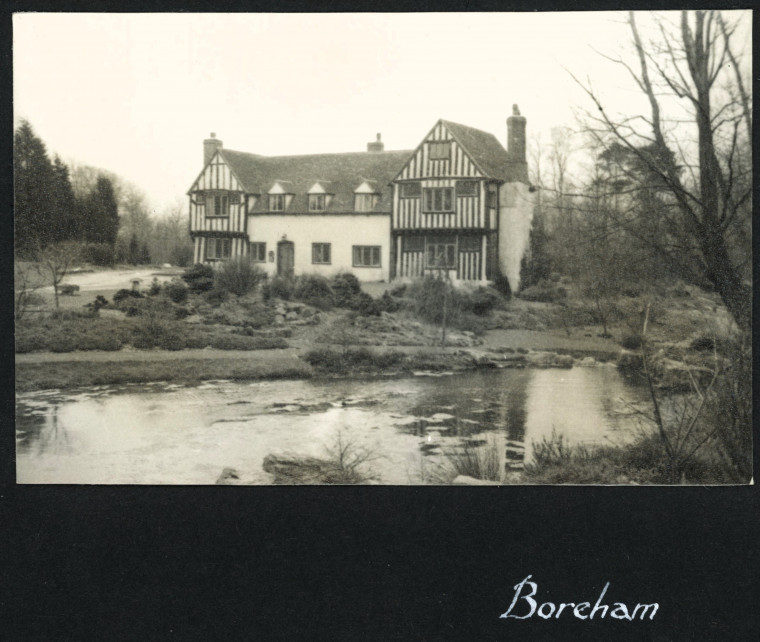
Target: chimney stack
{"x":376,"y":146}
{"x":516,"y":136}
{"x":210,"y":145}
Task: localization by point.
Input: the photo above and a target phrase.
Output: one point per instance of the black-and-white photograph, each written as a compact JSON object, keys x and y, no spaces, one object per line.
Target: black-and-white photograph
{"x":401,"y":249}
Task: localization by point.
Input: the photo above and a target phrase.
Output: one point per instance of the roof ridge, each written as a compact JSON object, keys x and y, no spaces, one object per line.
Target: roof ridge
{"x":374,"y":154}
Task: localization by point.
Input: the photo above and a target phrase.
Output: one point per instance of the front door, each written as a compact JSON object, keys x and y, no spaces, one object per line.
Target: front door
{"x":285,"y":258}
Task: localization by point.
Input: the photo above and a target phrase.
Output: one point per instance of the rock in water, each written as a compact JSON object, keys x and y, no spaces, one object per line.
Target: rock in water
{"x":228,"y":476}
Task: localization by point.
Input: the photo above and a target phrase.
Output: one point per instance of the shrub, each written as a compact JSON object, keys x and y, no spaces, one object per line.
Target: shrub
{"x":703,"y":343}
{"x":215,"y":297}
{"x":176,"y":291}
{"x":278,"y":288}
{"x":480,"y":462}
{"x":199,"y":277}
{"x":124,"y":294}
{"x":501,"y":285}
{"x":345,"y":287}
{"x":238,"y":276}
{"x":631,"y":342}
{"x":68,"y":289}
{"x":387,"y":303}
{"x":155,"y":287}
{"x":314,"y":290}
{"x":544,"y":292}
{"x":481,"y":301}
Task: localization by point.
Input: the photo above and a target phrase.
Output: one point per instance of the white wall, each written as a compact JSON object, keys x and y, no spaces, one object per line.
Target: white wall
{"x":515,"y":220}
{"x":342,"y":231}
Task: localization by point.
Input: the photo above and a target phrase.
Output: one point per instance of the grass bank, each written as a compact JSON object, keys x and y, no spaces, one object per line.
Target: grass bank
{"x":83,"y":372}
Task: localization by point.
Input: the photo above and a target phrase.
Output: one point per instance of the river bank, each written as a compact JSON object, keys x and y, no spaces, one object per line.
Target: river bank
{"x":499,"y":348}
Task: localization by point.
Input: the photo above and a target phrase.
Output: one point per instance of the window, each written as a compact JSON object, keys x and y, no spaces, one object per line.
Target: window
{"x":437,"y":199}
{"x":410,"y":190}
{"x":441,"y":253}
{"x":365,"y":202}
{"x":276,"y":202}
{"x":413,"y":244}
{"x":217,"y":249}
{"x":317,"y":202}
{"x":258,"y":252}
{"x":234,"y":198}
{"x":320,"y":253}
{"x":217,"y":204}
{"x":440,"y":150}
{"x":467,"y":188}
{"x":366,"y":256}
{"x":491,"y":197}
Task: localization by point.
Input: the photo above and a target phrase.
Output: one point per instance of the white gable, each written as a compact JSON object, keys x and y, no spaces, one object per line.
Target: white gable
{"x":366,"y":188}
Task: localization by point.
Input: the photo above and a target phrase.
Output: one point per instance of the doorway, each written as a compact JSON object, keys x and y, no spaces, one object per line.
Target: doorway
{"x":285,"y":258}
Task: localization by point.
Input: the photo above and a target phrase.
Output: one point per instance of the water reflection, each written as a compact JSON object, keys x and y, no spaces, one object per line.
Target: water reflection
{"x":188,"y":434}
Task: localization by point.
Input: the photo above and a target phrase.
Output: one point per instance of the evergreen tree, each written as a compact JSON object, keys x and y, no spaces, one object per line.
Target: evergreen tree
{"x":66,"y":226}
{"x":33,"y":183}
{"x":100,"y":213}
{"x":134,"y":250}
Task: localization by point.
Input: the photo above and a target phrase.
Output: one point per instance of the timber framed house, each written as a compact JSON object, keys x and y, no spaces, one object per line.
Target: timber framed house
{"x":459,"y":205}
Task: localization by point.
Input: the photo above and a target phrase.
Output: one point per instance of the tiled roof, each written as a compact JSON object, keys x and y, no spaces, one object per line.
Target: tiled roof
{"x":488,"y":153}
{"x":341,"y":175}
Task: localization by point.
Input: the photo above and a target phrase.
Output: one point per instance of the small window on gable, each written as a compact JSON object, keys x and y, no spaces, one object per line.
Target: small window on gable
{"x":217,"y":204}
{"x":276,"y":202}
{"x":365,"y":202}
{"x":440,"y":150}
{"x":491,"y":197}
{"x":467,"y":188}
{"x":410,"y":190}
{"x":438,"y":199}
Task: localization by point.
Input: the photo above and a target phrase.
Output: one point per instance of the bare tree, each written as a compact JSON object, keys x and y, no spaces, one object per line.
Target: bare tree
{"x":55,"y":261}
{"x":697,"y":192}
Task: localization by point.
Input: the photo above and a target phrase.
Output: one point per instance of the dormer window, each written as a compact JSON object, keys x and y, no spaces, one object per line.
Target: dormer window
{"x":365,"y":202}
{"x":279,"y":197}
{"x":440,"y":150}
{"x":317,"y":202}
{"x":366,"y":197}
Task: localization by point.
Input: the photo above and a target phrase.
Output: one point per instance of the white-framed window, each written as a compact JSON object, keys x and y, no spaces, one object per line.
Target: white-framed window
{"x":439,"y":150}
{"x":365,"y":202}
{"x":410,"y":190}
{"x":257,"y":251}
{"x":442,"y":252}
{"x":218,"y":249}
{"x":317,"y":202}
{"x":217,"y":204}
{"x":276,"y":202}
{"x":320,"y":253}
{"x":467,"y":188}
{"x":366,"y":255}
{"x":437,"y":199}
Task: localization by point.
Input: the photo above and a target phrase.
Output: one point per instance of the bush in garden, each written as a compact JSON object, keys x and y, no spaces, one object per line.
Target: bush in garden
{"x":345,"y":286}
{"x":278,"y":288}
{"x":387,"y":303}
{"x":215,"y":297}
{"x":314,"y":290}
{"x":631,"y":342}
{"x":124,"y":294}
{"x":481,"y":301}
{"x":544,"y":292}
{"x":199,"y":277}
{"x":155,"y":287}
{"x":176,"y":291}
{"x":501,"y":285}
{"x":238,"y":276}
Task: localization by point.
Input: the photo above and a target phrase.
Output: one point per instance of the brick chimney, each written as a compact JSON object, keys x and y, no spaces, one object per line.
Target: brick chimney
{"x":376,"y":145}
{"x":516,"y":136}
{"x":210,"y":145}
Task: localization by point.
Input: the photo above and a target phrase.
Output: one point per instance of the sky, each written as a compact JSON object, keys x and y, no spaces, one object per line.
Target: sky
{"x":136,"y":94}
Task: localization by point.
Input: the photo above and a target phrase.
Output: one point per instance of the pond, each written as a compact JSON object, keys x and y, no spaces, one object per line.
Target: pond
{"x":173,"y":434}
